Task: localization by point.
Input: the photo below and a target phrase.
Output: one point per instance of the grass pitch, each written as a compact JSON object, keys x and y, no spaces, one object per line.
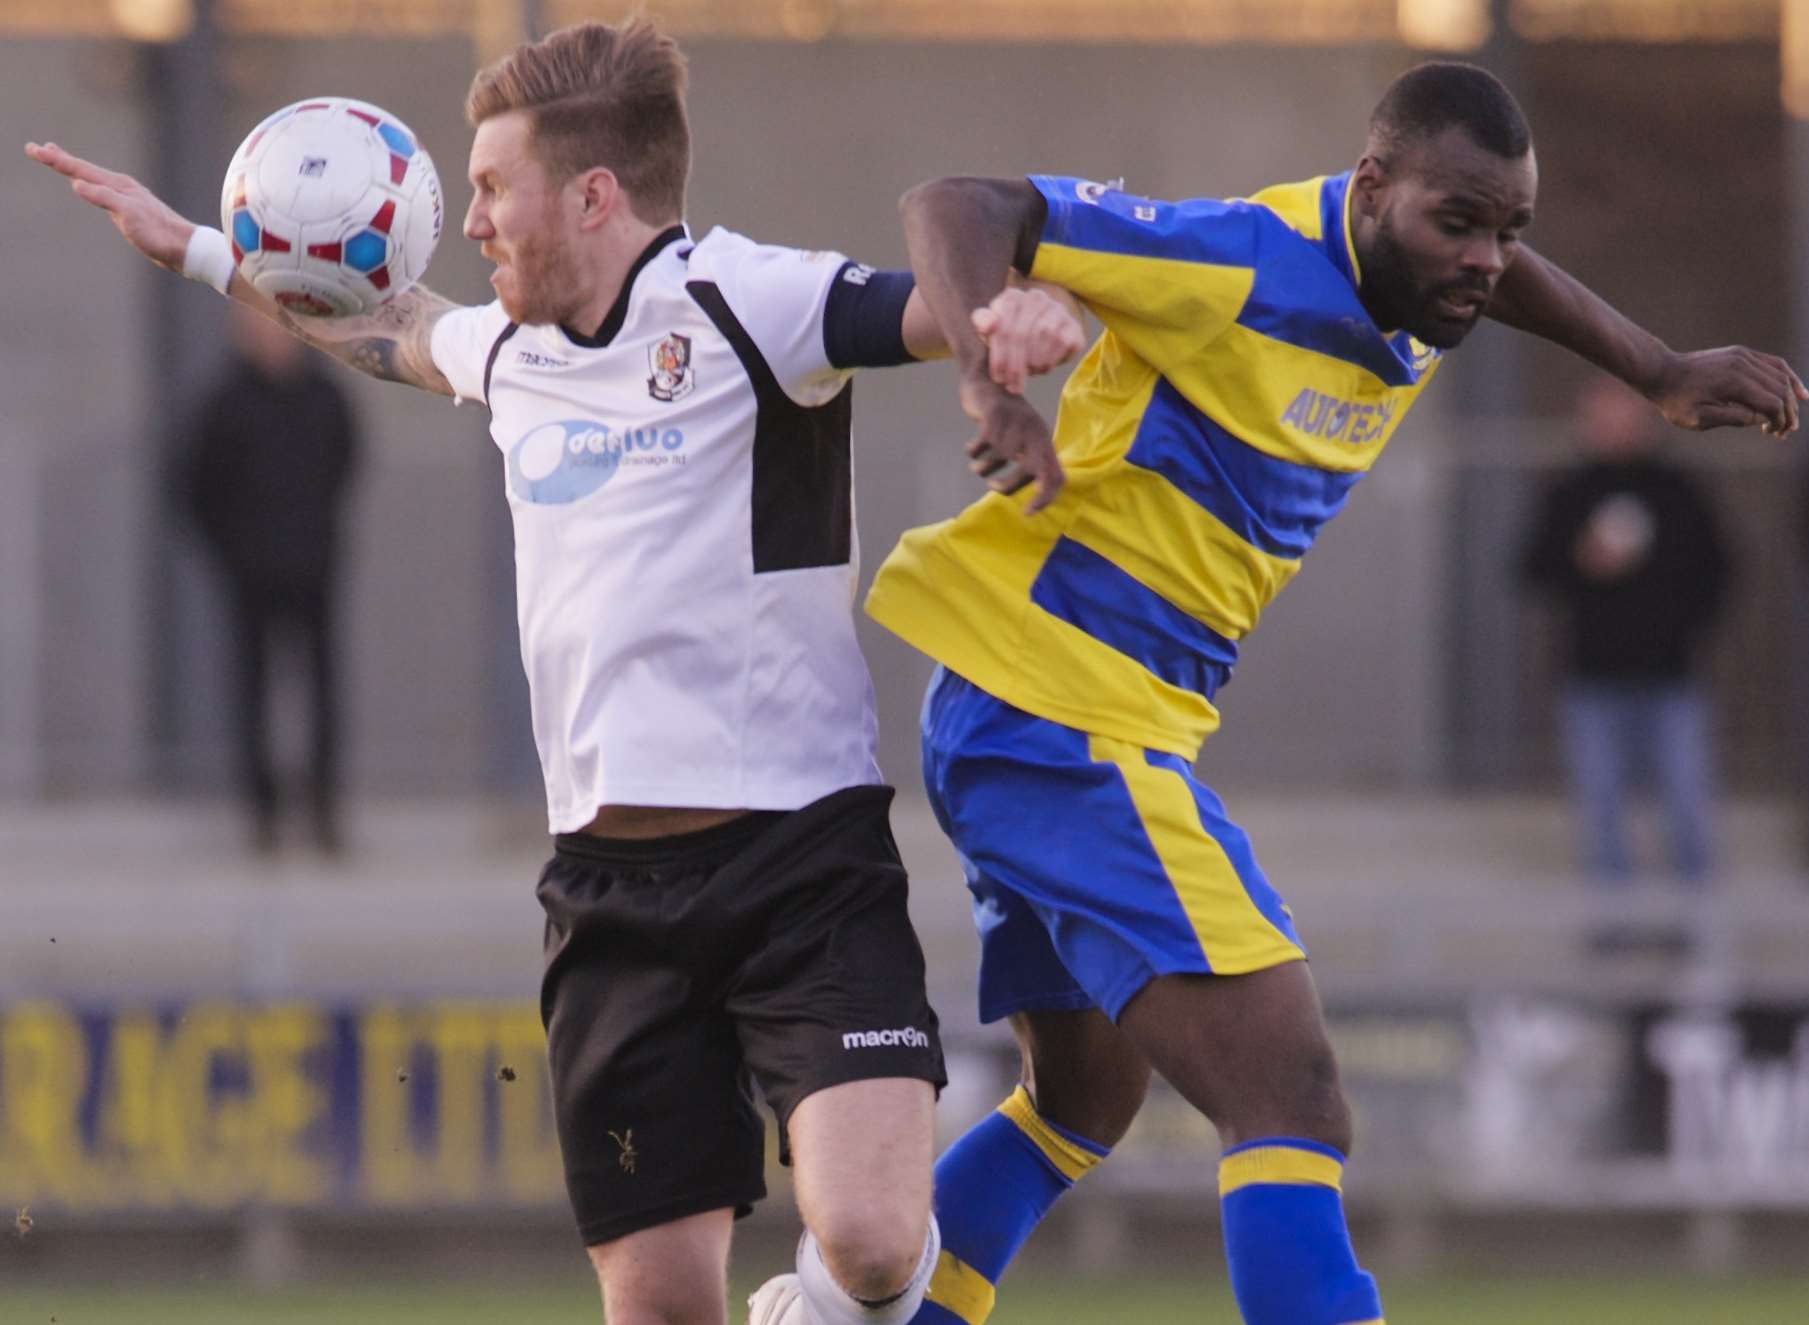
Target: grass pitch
{"x":1032,"y":1299}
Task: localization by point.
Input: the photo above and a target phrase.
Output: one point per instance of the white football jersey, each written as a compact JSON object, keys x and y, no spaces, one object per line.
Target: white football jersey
{"x":685,"y":556}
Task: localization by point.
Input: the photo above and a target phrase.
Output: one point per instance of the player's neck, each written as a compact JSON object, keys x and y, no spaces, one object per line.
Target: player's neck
{"x":609,"y":264}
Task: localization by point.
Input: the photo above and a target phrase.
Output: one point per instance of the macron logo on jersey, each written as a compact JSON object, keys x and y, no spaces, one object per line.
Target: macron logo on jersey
{"x":1337,"y":420}
{"x":908,"y":1037}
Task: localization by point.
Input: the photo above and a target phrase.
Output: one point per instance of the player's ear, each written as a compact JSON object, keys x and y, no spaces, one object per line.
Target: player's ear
{"x":1369,"y":182}
{"x":598,"y":193}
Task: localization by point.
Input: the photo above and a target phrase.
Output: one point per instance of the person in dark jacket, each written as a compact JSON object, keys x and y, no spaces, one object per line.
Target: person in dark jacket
{"x":1628,"y":547}
{"x":266,"y":478}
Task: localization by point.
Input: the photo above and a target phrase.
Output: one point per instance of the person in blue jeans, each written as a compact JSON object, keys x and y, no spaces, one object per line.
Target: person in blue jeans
{"x":1628,"y":547}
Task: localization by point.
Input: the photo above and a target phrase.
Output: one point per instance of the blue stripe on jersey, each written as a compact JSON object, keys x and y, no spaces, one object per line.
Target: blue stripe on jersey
{"x":1331,"y":221}
{"x":1273,"y":505}
{"x":1107,"y":221}
{"x":1300,"y":300}
{"x":1084,"y":589}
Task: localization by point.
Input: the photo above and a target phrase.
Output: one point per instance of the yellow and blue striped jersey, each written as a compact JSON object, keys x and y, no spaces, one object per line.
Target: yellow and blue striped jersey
{"x":1238,"y":392}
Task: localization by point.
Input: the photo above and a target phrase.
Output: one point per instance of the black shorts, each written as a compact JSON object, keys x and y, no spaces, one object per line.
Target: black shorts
{"x":773,"y":949}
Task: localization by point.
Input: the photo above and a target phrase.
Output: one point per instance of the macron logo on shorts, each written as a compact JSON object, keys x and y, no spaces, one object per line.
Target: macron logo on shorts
{"x":907,"y":1036}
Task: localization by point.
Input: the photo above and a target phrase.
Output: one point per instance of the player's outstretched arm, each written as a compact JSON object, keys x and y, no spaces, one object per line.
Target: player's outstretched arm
{"x":392,"y":343}
{"x":1728,"y":387}
{"x":965,"y":237}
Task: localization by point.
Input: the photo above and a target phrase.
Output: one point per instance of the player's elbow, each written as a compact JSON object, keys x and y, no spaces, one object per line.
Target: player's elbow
{"x":932,"y":196}
{"x":970,"y":197}
{"x":981,"y":212}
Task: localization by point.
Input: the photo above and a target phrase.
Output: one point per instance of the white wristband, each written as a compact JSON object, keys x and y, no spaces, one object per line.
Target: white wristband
{"x":208,"y":258}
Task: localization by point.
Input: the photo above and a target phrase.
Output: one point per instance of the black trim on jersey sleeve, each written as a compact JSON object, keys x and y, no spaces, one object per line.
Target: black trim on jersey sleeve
{"x":496,"y":349}
{"x":1030,"y":238}
{"x":863,"y":319}
{"x":803,"y":486}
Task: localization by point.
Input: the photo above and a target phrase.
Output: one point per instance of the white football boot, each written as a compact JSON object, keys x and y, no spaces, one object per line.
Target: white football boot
{"x":778,"y":1301}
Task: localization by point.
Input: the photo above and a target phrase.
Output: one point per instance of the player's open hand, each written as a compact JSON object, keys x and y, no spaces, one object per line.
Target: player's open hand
{"x":1013,"y":446}
{"x":1732,"y":387}
{"x":149,"y":224}
{"x":1027,"y":331}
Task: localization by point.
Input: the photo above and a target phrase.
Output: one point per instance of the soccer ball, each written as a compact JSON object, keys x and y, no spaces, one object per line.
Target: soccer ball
{"x":332,"y":207}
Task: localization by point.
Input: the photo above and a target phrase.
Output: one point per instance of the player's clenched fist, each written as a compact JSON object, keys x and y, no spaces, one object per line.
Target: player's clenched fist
{"x":1027,"y":333}
{"x":149,"y":224}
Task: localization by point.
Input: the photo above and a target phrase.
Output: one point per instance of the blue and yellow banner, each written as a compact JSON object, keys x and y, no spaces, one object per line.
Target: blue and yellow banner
{"x":216,"y":1105}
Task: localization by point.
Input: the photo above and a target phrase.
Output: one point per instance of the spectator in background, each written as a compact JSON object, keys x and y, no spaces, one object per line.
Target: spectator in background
{"x":266,"y":479}
{"x":1628,"y":547}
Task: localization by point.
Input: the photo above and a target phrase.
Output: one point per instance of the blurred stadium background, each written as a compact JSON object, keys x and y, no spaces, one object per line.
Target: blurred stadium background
{"x":203,"y":1110}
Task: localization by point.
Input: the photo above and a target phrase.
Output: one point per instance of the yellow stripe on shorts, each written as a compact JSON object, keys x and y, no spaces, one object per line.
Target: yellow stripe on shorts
{"x":958,"y":1288}
{"x":1233,"y":933}
{"x":1283,"y":1165}
{"x":1071,"y":1161}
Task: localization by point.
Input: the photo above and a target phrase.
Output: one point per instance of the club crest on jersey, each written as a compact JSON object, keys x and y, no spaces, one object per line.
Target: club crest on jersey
{"x":669,"y":360}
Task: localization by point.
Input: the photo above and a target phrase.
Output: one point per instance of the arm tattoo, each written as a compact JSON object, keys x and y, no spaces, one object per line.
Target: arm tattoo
{"x":392,"y":343}
{"x":399,"y":314}
{"x":376,"y":357}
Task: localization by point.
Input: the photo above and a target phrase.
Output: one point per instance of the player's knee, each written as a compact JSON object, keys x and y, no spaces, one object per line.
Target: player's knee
{"x":634,"y":1294}
{"x":872,"y":1251}
{"x":688,"y":1312}
{"x":1307,"y":1102}
{"x":1320,"y":1112}
{"x":1101,"y":1108}
{"x":1085,"y":1075}
{"x":652,"y":1303}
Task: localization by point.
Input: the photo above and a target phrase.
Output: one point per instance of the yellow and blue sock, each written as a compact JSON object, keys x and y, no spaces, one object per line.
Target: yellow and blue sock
{"x":1285,"y":1237}
{"x":993,"y":1187}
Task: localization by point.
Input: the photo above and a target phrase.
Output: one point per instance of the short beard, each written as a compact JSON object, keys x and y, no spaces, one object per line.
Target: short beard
{"x":545,"y":281}
{"x":1388,"y":288}
{"x":1396,"y":299}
